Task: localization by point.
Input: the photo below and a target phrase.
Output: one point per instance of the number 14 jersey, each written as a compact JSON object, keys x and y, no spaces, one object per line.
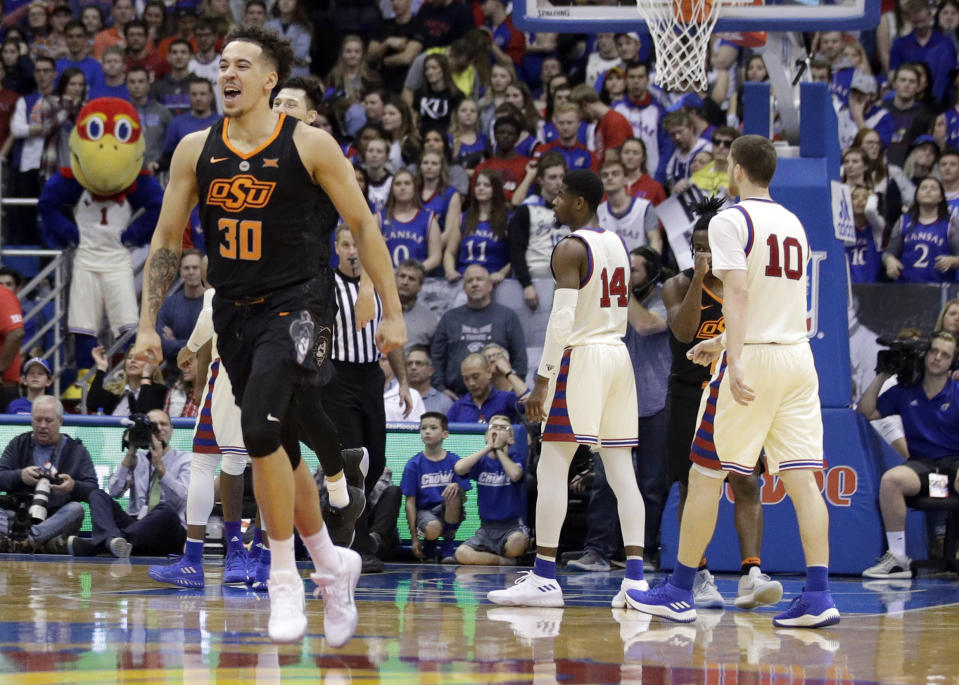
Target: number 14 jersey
{"x":767,"y":241}
{"x":600,"y":317}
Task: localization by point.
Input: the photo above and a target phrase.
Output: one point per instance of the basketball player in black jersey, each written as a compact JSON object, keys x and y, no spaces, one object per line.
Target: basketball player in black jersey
{"x":694,"y":304}
{"x":257,"y":176}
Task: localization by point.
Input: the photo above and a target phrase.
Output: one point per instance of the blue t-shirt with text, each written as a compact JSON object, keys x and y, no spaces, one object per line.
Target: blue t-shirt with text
{"x":499,"y":498}
{"x":425,"y":479}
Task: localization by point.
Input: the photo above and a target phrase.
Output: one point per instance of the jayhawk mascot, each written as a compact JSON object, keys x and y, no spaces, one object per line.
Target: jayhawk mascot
{"x":102,"y":204}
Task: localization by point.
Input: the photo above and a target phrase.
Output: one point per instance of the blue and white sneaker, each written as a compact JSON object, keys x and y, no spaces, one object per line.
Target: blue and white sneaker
{"x":234,"y":566}
{"x":183,"y":573}
{"x":809,"y":610}
{"x":665,"y":600}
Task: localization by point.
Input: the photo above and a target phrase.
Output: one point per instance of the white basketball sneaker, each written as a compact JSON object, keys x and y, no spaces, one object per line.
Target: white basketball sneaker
{"x":339,"y":607}
{"x":705,"y":593}
{"x":756,"y":589}
{"x":287,"y":607}
{"x":529,"y":590}
{"x":619,"y":601}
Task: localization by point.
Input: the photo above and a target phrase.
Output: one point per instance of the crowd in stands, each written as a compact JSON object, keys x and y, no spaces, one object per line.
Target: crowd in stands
{"x":460,"y":128}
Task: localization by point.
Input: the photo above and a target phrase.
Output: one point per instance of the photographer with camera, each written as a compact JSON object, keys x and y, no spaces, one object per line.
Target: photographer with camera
{"x":46,"y":476}
{"x":928,"y":404}
{"x":157,"y":478}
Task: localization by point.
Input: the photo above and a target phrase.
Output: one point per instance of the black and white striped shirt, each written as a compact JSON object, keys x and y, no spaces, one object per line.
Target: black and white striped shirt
{"x":350,"y":344}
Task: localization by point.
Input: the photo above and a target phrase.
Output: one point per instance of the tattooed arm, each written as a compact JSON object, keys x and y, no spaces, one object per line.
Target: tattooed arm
{"x":164,"y":260}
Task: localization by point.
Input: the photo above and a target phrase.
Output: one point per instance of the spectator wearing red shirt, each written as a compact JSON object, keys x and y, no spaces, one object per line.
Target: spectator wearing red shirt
{"x":123,"y":13}
{"x":507,"y":45}
{"x":185,"y":28}
{"x":639,"y":183}
{"x":612,"y":128}
{"x":510,"y":165}
{"x":11,"y":336}
{"x":8,"y":101}
{"x":139,"y":53}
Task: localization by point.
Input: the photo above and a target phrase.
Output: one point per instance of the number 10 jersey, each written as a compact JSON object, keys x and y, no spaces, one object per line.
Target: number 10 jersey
{"x":767,"y":241}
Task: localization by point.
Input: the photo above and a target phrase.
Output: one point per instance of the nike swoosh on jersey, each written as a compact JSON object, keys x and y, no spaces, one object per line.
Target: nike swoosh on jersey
{"x":270,"y":417}
{"x":214,"y":160}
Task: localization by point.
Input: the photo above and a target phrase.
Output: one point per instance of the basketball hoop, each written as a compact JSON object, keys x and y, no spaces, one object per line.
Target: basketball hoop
{"x":680,"y":30}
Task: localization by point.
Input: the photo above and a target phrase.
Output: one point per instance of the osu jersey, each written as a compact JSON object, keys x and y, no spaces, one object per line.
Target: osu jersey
{"x":266,"y":224}
{"x":711,"y":324}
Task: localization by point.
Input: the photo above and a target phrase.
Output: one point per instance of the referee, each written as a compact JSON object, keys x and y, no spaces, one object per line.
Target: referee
{"x":354,"y":398}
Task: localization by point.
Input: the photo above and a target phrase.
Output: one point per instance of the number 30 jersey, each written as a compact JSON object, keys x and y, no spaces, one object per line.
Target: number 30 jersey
{"x":767,"y":241}
{"x":266,"y":224}
{"x":600,"y":317}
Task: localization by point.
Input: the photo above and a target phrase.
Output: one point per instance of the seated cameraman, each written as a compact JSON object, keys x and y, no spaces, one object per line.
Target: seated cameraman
{"x":24,"y":461}
{"x":157,"y":478}
{"x":930,"y":418}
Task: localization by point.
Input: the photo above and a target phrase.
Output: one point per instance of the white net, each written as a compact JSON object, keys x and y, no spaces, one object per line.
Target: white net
{"x":680,"y":30}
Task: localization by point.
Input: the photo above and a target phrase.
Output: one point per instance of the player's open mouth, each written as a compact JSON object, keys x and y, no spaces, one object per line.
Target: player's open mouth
{"x":230,"y":94}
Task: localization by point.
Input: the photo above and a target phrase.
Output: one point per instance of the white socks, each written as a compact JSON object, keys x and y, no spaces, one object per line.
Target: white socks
{"x":897,"y":543}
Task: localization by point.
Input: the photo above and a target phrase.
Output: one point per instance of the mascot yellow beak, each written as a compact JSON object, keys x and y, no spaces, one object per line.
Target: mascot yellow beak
{"x":107,"y":146}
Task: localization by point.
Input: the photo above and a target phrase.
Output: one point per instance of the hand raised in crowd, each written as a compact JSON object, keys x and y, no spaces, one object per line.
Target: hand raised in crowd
{"x":100,"y":358}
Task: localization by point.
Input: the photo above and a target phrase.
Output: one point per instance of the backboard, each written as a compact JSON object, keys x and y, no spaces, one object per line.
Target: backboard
{"x":592,"y":16}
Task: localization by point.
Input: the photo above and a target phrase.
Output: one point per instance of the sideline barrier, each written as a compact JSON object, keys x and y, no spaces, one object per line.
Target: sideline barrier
{"x":102,"y":436}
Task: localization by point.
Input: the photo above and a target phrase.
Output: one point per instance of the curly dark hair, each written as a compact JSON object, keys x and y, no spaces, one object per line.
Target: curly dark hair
{"x":277,"y":50}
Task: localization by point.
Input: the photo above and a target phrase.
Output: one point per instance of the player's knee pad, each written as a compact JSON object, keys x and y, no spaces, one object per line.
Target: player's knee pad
{"x":233,"y":464}
{"x":261,"y":435}
{"x":204,"y":465}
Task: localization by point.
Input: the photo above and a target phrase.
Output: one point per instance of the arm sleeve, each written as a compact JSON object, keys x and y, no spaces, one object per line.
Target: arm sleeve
{"x":438,"y":350}
{"x":10,"y":465}
{"x":20,"y":124}
{"x":119,"y":481}
{"x":650,"y":221}
{"x":888,"y":402}
{"x":98,"y":398}
{"x":894,"y":248}
{"x":203,"y":330}
{"x":148,"y":196}
{"x":55,"y":205}
{"x":728,"y":237}
{"x":954,"y":235}
{"x":517,"y":344}
{"x":518,"y":234}
{"x":176,"y":481}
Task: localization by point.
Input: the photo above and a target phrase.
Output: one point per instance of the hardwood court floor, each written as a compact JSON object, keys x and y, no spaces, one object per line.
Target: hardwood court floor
{"x":105,"y":621}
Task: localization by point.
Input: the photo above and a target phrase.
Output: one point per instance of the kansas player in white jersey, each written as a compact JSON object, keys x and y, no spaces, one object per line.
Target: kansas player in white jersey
{"x":764,"y":390}
{"x":584,"y":352}
{"x":102,"y":271}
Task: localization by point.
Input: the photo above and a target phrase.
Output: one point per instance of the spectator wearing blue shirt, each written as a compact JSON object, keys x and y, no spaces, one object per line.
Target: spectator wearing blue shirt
{"x":180,"y":310}
{"x":482,"y":401}
{"x":925,"y":44}
{"x":114,"y":81}
{"x":930,"y":420}
{"x":78,"y":45}
{"x":498,"y":470}
{"x":35,"y":377}
{"x":200,"y":116}
{"x":435,"y":494}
